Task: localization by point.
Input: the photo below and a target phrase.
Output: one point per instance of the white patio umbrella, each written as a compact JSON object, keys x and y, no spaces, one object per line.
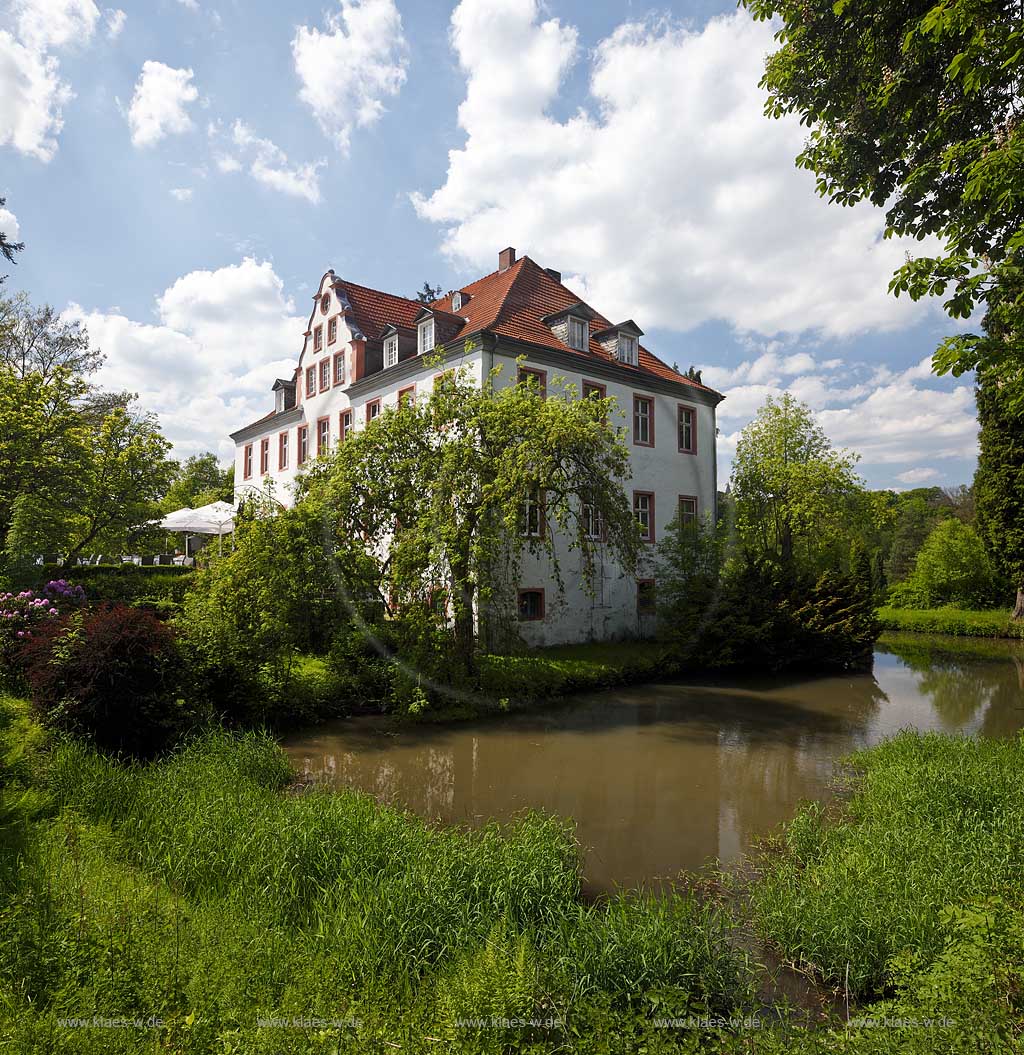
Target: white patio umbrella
{"x":217,"y":518}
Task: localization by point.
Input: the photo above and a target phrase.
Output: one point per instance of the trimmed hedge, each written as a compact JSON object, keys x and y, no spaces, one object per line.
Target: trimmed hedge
{"x":960,"y":622}
{"x":117,"y":583}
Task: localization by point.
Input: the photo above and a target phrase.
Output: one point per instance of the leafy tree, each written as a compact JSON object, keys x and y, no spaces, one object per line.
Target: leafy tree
{"x":434,"y":497}
{"x":795,"y":496}
{"x":915,"y":106}
{"x":999,"y":483}
{"x":428,"y":294}
{"x":7,"y":247}
{"x":199,"y":481}
{"x":37,"y":340}
{"x":115,"y":472}
{"x":951,"y":568}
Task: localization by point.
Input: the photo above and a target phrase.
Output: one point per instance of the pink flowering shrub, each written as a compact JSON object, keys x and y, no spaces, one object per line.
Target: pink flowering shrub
{"x":21,"y":615}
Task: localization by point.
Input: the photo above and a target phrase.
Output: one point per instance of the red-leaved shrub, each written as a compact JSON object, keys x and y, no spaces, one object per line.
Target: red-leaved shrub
{"x":111,"y":675}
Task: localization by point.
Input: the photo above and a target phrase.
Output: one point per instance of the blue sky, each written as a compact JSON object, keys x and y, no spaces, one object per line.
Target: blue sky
{"x":183,"y":172}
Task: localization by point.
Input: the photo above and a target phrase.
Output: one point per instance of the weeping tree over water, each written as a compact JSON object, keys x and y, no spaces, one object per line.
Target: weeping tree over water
{"x":442,"y":497}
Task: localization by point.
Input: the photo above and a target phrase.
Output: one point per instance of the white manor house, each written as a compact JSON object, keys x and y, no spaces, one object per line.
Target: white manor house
{"x":364,"y":350}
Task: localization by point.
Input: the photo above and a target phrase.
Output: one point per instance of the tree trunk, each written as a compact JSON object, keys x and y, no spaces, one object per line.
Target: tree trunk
{"x":1018,"y":610}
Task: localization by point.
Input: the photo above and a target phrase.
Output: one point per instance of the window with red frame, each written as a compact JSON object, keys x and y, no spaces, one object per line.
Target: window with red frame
{"x":247,"y":462}
{"x":265,"y":456}
{"x":372,"y":410}
{"x":531,"y":605}
{"x":311,"y":381}
{"x":643,"y":510}
{"x":282,"y":451}
{"x":645,"y":597}
{"x":592,"y":388}
{"x":406,"y":395}
{"x":643,"y":421}
{"x":323,"y":434}
{"x":339,"y":368}
{"x":344,"y":425}
{"x":303,"y":445}
{"x":332,"y":331}
{"x":687,"y":510}
{"x":687,"y":430}
{"x":537,"y":377}
{"x":318,"y":338}
{"x":325,"y":374}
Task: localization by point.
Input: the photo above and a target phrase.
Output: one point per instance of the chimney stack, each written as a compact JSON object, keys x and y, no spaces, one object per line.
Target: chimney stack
{"x":506,"y":258}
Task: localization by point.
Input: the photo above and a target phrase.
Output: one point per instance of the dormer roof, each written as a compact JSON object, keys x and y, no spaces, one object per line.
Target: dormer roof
{"x":629,"y":326}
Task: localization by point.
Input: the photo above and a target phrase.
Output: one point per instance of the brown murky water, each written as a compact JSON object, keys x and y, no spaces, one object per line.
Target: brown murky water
{"x":664,"y":777}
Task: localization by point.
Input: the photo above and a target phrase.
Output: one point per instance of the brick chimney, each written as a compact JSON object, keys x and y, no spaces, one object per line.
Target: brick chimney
{"x":506,"y":258}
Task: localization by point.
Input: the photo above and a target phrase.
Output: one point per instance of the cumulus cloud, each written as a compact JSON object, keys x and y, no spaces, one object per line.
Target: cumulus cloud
{"x":116,"y":19}
{"x":671,"y":198}
{"x":269,"y":165}
{"x":915,"y":477}
{"x":191,"y":367}
{"x":160,"y":104}
{"x":55,"y":23}
{"x":350,"y":69}
{"x":32,"y":96}
{"x":9,"y":225}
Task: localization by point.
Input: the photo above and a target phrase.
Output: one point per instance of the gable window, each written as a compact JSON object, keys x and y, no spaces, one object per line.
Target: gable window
{"x":687,"y":510}
{"x":532,"y":516}
{"x":372,"y":410}
{"x":282,"y":451}
{"x":456,"y":301}
{"x":579,"y":333}
{"x":344,"y":425}
{"x":265,"y":456}
{"x":643,"y":510}
{"x":325,"y":374}
{"x":339,"y":368}
{"x":627,"y":349}
{"x":310,"y":381}
{"x":323,"y":435}
{"x":247,"y":462}
{"x":531,"y":605}
{"x":303,"y":445}
{"x":645,"y":599}
{"x":425,"y":336}
{"x":391,"y":351}
{"x":318,"y":338}
{"x":643,"y":421}
{"x":332,"y":331}
{"x":687,"y":430}
{"x":537,"y":377}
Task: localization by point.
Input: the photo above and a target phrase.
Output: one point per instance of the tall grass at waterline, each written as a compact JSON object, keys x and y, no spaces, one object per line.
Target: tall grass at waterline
{"x":960,"y":622}
{"x":936,"y":821}
{"x":200,"y":891}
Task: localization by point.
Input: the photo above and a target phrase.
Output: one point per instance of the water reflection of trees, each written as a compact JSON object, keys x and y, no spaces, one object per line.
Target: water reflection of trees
{"x":971,"y":685}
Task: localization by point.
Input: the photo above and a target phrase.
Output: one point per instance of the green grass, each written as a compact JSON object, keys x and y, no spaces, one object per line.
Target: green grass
{"x":936,"y":821}
{"x":956,"y":621}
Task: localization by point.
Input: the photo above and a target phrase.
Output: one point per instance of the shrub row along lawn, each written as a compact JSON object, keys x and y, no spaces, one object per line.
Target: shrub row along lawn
{"x":227,"y":912}
{"x":959,"y":622}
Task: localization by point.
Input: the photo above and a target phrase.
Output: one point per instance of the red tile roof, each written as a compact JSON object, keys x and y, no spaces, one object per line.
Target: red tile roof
{"x":510,"y":303}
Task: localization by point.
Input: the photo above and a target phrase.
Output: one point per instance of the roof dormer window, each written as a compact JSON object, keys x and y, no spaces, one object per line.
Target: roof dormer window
{"x":579,"y":333}
{"x":391,"y":351}
{"x":627,"y":349}
{"x":425,"y":336}
{"x":456,"y":301}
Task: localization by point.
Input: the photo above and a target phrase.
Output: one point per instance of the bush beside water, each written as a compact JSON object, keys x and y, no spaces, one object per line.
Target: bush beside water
{"x":958,"y":622}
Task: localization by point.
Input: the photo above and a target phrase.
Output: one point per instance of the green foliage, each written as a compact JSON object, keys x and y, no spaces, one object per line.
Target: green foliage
{"x":116,"y":583}
{"x":198,"y":482}
{"x":935,"y":821}
{"x":951,"y":568}
{"x":954,"y":621}
{"x":999,"y":483}
{"x":915,"y":107}
{"x":796,"y":498}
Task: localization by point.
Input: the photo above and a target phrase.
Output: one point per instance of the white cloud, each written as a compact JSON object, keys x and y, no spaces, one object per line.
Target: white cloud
{"x":191,"y":367}
{"x":159,"y":106}
{"x":31,"y":99}
{"x":182,"y":193}
{"x":9,"y":226}
{"x":348,"y":71}
{"x":116,"y":19}
{"x":672,"y":197}
{"x":55,"y":23}
{"x":190,"y":4}
{"x":269,"y":165}
{"x":913,"y":477}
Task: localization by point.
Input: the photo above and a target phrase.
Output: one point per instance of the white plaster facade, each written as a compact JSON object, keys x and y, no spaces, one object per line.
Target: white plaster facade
{"x":352,"y":365}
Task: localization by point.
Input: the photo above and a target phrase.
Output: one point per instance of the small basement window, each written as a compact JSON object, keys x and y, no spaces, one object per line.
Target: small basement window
{"x":531,"y":605}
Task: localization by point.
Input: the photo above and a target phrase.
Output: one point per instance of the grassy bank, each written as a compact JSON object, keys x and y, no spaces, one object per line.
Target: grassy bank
{"x":958,"y":622}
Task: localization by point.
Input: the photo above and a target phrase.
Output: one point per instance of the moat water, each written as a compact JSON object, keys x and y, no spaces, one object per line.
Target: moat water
{"x":661,"y":778}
